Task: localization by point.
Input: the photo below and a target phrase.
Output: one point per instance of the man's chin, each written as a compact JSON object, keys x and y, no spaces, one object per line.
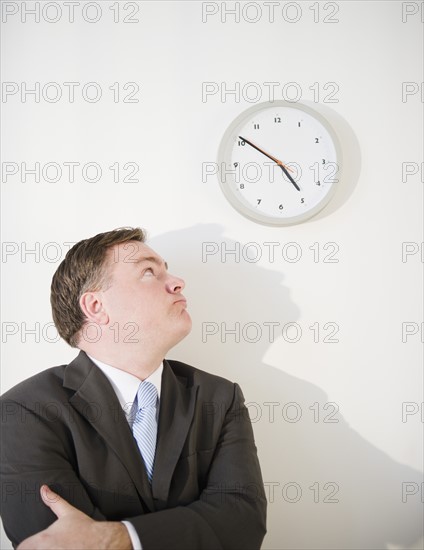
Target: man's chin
{"x":189,"y":323}
{"x":185,"y":328}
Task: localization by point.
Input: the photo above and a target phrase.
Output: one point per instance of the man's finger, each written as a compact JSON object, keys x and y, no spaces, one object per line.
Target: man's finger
{"x":57,"y":504}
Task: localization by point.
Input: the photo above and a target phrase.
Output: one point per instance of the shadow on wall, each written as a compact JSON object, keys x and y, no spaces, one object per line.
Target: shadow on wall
{"x":327,"y":486}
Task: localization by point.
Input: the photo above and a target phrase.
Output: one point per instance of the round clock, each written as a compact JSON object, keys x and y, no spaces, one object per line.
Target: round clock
{"x":279,"y":163}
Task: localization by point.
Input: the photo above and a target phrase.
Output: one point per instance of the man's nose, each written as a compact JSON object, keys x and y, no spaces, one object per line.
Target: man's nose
{"x":175,"y":284}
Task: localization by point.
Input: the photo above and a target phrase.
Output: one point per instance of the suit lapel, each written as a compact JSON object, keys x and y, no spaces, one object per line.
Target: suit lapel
{"x":95,"y":399}
{"x":176,"y":411}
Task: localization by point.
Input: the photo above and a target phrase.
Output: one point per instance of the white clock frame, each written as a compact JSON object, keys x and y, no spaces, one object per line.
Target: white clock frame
{"x":230,"y":187}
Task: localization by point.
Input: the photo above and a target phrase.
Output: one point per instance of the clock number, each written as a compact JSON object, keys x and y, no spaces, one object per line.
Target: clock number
{"x":277,"y":120}
{"x":259,"y":201}
{"x":256,"y":126}
{"x":316,"y":140}
{"x":318,"y":182}
{"x":323,"y":161}
{"x":235,"y":164}
{"x":280,"y":207}
{"x":241,"y":143}
{"x":302,"y":200}
{"x":298,"y":124}
{"x":241,"y":185}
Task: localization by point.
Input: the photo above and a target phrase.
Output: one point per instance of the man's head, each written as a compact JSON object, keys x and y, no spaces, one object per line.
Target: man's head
{"x":116,"y":283}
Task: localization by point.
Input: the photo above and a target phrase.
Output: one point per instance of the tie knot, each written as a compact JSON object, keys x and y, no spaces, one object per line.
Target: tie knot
{"x":147,"y":395}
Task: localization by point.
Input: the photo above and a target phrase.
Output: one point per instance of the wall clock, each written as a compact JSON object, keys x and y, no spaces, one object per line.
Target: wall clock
{"x":279,"y":163}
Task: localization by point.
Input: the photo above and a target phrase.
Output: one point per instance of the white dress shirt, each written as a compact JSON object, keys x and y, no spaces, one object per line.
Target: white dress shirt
{"x":126,"y":386}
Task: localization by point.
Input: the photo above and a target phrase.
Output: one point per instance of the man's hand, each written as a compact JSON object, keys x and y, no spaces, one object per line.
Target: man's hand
{"x":74,"y":530}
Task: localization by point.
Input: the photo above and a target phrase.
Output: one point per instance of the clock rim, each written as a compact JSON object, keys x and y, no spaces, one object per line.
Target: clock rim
{"x":264,"y":218}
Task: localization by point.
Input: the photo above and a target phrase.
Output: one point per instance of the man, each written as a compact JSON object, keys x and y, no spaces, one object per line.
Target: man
{"x":86,"y":462}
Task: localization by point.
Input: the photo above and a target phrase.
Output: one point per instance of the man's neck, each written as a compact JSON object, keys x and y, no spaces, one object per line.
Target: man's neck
{"x":141,"y":366}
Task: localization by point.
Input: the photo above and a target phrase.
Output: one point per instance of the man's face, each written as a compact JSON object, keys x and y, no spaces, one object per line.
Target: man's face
{"x":144,"y":301}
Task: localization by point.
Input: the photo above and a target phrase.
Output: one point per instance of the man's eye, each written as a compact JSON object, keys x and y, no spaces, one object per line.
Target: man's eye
{"x":149,"y":270}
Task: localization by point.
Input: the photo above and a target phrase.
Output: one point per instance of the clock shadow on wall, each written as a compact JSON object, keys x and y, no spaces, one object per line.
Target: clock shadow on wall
{"x":327,"y":486}
{"x":283,"y":163}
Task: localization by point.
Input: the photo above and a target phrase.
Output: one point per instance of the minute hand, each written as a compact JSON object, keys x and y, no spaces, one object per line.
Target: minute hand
{"x":283,"y":167}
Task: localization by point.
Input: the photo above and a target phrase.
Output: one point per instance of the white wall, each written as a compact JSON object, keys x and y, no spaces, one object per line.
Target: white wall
{"x":364,"y":460}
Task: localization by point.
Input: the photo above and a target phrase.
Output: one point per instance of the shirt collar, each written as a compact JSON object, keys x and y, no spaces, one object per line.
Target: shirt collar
{"x":125,"y":384}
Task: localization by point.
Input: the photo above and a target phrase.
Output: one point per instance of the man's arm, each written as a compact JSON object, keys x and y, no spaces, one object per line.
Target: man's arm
{"x":35,"y":452}
{"x":229,"y":514}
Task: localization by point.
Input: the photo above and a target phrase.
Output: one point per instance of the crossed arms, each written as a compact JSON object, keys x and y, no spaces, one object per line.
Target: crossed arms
{"x":224,"y":509}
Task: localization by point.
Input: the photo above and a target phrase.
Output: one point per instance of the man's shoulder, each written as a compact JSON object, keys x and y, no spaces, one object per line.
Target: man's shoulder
{"x":206,"y":381}
{"x":43,"y":385}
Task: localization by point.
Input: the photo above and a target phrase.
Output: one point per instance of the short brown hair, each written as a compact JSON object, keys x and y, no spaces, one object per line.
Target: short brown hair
{"x":83,"y":269}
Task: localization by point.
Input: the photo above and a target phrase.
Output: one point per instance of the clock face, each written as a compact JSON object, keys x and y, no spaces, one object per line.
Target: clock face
{"x":279,"y":163}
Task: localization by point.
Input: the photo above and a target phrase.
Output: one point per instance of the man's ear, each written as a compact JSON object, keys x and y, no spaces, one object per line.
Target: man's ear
{"x":92,"y":307}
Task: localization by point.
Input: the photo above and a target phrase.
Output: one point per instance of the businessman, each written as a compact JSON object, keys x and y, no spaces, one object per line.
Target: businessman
{"x":123,"y":448}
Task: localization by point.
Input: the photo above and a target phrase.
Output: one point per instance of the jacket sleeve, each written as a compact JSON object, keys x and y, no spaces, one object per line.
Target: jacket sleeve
{"x":35,"y":452}
{"x":230,"y":513}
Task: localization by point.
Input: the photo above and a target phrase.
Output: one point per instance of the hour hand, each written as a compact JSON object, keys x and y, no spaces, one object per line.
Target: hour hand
{"x":283,"y":167}
{"x":289,"y":176}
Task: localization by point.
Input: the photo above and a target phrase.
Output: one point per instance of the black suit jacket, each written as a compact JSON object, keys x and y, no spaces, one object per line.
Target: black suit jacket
{"x":65,"y":427}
